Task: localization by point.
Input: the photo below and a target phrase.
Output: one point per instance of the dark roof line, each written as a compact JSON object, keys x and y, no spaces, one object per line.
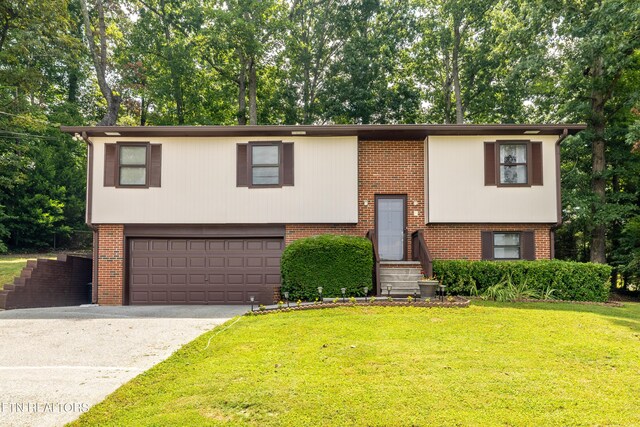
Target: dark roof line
{"x":371,"y":132}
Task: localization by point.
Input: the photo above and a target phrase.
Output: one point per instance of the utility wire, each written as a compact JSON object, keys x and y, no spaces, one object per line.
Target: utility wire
{"x":20,"y":134}
{"x":27,"y":118}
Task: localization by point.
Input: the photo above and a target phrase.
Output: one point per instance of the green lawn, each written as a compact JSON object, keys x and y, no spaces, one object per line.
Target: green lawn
{"x":12,"y":265}
{"x":491,"y":364}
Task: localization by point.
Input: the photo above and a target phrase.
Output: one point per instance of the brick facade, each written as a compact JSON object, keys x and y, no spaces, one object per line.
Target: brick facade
{"x":384,"y":167}
{"x":398,"y":168}
{"x":462,"y":241}
{"x":110,"y":264}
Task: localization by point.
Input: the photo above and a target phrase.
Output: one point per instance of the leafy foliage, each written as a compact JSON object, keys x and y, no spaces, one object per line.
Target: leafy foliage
{"x":509,"y":280}
{"x":330,"y":261}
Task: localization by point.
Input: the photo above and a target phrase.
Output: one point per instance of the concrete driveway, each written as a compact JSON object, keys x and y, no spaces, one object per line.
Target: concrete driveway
{"x":55,"y":363}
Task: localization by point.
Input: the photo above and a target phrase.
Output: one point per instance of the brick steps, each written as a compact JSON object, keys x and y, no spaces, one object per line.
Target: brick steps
{"x":49,"y":283}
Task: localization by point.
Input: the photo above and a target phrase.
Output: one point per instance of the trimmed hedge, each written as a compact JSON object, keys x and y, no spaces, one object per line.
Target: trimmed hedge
{"x":330,"y":261}
{"x":571,"y":280}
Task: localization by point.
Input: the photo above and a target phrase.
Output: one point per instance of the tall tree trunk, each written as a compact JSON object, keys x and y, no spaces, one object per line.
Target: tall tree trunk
{"x":596,"y":123}
{"x":242,"y":90}
{"x":100,"y":62}
{"x":143,"y":111}
{"x":176,"y":87}
{"x":456,"y":70}
{"x":446,"y":84}
{"x":253,"y":93}
{"x":72,"y":93}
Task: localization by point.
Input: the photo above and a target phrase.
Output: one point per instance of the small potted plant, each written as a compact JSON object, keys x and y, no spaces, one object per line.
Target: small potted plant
{"x":428,"y":286}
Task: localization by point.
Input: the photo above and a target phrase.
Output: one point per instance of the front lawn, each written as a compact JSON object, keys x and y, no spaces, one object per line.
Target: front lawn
{"x":490,"y":364}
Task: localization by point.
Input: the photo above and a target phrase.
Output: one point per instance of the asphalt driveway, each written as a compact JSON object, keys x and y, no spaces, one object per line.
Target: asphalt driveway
{"x":55,"y":363}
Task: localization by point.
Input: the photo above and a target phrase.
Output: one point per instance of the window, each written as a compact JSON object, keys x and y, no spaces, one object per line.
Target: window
{"x":132,"y":161}
{"x":508,"y":245}
{"x":513,"y":163}
{"x":132,"y":164}
{"x":265,"y":164}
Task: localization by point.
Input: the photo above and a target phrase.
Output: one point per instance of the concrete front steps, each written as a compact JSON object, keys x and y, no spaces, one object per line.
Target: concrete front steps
{"x":402,"y":276}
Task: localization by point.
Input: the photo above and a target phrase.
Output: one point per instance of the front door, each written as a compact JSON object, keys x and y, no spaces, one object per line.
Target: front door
{"x":390,"y":227}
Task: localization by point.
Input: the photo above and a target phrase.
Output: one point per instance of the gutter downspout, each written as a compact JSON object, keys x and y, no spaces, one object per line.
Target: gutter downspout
{"x":89,"y":204}
{"x":558,"y":223}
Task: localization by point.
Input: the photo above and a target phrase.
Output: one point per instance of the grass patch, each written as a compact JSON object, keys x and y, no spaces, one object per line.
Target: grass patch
{"x":12,"y":265}
{"x":491,"y":364}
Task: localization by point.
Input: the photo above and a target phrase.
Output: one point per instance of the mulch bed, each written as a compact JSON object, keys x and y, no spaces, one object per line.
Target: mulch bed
{"x":458,"y":302}
{"x":609,"y":303}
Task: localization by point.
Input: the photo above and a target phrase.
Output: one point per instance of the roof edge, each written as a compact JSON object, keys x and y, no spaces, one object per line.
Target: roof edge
{"x":397,"y":132}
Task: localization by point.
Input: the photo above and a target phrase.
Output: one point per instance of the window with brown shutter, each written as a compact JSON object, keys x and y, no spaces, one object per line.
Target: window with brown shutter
{"x":513,"y":163}
{"x":508,"y":245}
{"x":264,"y":164}
{"x":133,"y":165}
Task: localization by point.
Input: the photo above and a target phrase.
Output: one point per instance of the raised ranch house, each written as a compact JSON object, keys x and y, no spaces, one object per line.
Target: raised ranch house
{"x":200,"y":215}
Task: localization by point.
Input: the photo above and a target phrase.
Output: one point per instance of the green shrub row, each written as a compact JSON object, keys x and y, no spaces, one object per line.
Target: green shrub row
{"x":330,"y":261}
{"x":569,"y":280}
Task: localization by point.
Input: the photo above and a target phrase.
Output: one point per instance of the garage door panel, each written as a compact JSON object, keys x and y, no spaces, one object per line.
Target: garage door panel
{"x":235,"y":279}
{"x":158,"y":297}
{"x":216,"y":262}
{"x":254,"y":261}
{"x":255,"y":279}
{"x":197,"y":262}
{"x":178,"y":279}
{"x":217,"y":279}
{"x":215,"y":245}
{"x":254,"y":245}
{"x":178,"y":262}
{"x":272,"y":279}
{"x":197,"y":279}
{"x":273,"y":262}
{"x":235,"y":245}
{"x":203,"y":271}
{"x":140,"y":262}
{"x":197,"y":245}
{"x":159,"y":245}
{"x":274,"y":245}
{"x":235,"y":297}
{"x":235,"y":262}
{"x":178,"y":297}
{"x":178,"y":245}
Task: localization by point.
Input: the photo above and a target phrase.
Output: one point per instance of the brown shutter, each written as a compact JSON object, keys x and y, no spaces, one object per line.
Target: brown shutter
{"x":528,"y":244}
{"x":486,"y":239}
{"x":242,"y":171}
{"x":156,"y":165}
{"x":536,"y":163}
{"x":110,"y":167}
{"x":287,"y":163}
{"x":489,"y":163}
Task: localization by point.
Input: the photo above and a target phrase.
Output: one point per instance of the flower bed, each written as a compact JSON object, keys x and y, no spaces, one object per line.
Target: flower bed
{"x":451,"y":302}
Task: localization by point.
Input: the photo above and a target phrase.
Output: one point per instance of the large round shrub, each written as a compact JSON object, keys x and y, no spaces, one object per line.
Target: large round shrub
{"x":330,"y":261}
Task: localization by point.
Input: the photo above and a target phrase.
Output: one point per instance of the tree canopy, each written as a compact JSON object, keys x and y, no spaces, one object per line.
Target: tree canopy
{"x":225,"y":62}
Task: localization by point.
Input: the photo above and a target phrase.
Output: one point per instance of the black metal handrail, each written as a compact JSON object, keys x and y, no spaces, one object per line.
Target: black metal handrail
{"x":420,"y":252}
{"x":371,"y":235}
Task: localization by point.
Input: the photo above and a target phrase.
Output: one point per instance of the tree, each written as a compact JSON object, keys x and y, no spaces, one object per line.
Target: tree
{"x":98,"y":43}
{"x":600,"y":41}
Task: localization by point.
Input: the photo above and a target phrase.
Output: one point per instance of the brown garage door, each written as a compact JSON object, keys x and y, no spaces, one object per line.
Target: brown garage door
{"x":203,"y":271}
